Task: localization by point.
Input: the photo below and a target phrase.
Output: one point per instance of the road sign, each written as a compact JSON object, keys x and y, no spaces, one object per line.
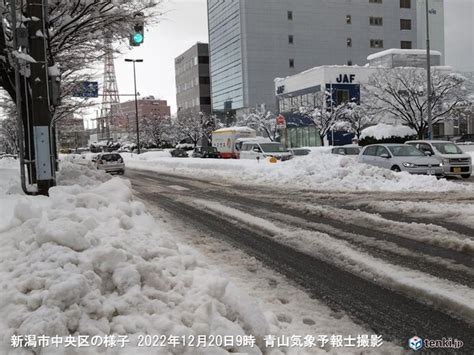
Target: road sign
{"x":86,"y":89}
{"x":281,"y":121}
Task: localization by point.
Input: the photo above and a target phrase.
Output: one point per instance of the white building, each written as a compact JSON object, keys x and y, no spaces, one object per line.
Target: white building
{"x":344,"y":82}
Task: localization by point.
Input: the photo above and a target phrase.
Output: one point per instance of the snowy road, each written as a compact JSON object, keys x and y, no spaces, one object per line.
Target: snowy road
{"x":405,"y":270}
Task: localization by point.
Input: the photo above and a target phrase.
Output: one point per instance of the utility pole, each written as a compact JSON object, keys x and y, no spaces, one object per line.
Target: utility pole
{"x":41,"y":114}
{"x":136,"y":100}
{"x":428,"y":72}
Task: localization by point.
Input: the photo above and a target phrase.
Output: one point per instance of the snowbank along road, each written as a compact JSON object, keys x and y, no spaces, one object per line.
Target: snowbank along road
{"x":401,"y":264}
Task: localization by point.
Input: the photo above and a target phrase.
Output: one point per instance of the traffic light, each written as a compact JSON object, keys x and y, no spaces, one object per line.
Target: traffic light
{"x":137,"y":35}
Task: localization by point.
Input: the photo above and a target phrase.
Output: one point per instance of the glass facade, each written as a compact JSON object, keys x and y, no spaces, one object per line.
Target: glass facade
{"x":225,"y":54}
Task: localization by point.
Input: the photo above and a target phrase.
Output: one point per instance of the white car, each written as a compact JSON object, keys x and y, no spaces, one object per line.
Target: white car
{"x":455,"y":161}
{"x":110,"y":162}
{"x":262,"y":150}
{"x":400,"y":157}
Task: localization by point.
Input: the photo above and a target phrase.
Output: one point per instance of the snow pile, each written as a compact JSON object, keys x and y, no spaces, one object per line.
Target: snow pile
{"x":89,"y":260}
{"x":318,"y":170}
{"x":383,"y":130}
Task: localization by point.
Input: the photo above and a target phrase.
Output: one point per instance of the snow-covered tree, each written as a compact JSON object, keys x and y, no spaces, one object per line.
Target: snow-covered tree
{"x":261,"y":121}
{"x":195,"y":127}
{"x":324,"y":113}
{"x":156,"y":130}
{"x":75,"y":36}
{"x":401,"y":94}
{"x":9,"y":135}
{"x":356,"y":118}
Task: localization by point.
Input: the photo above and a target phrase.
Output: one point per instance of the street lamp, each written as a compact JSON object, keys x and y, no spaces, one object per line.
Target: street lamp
{"x":136,"y":102}
{"x":428,"y":72}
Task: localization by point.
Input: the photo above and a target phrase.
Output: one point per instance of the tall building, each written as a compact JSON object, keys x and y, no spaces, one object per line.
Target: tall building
{"x":193,"y":93}
{"x":148,"y":107}
{"x":253,"y":42}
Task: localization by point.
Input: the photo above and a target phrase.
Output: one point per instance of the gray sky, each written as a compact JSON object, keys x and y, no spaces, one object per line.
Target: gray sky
{"x":185,"y":23}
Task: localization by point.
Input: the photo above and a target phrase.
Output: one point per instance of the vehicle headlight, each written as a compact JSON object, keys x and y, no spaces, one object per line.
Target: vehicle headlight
{"x":445,"y":161}
{"x":408,"y":165}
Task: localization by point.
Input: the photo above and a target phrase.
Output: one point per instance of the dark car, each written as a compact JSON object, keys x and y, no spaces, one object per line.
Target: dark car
{"x":179,"y":153}
{"x":465,"y":138}
{"x":206,"y":152}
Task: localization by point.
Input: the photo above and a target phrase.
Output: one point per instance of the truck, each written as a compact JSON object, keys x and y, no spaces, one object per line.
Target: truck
{"x":225,"y":140}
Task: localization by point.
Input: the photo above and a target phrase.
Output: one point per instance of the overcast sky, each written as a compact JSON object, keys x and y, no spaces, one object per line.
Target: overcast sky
{"x":185,"y":23}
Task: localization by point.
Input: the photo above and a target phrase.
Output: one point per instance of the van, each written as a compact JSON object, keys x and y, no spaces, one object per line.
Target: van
{"x":262,"y":150}
{"x":454,"y":161}
{"x":225,"y":139}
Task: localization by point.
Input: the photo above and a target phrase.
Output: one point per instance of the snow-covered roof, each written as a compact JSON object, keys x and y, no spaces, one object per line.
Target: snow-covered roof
{"x":235,"y":129}
{"x":401,"y":51}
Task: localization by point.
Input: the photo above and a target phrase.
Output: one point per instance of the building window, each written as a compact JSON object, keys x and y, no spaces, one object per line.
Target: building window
{"x":204,"y":80}
{"x":290,"y":39}
{"x":405,"y":4}
{"x":205,"y":100}
{"x":203,"y":59}
{"x":291,"y":63}
{"x":376,"y":21}
{"x":342,"y":96}
{"x":405,"y":24}
{"x":405,"y":45}
{"x":375,"y":1}
{"x":349,"y":42}
{"x":290,"y":15}
{"x":348,"y":19}
{"x":376,"y":43}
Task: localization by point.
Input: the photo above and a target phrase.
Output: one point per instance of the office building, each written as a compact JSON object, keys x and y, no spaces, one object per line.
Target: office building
{"x":253,"y":42}
{"x":148,"y":107}
{"x":193,"y":93}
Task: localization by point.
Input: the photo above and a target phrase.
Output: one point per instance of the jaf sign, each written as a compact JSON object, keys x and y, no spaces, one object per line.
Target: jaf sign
{"x":345,"y":78}
{"x":281,"y":121}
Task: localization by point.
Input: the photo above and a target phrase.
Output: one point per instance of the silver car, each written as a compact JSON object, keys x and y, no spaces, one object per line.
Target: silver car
{"x":455,"y":161}
{"x":400,"y":157}
{"x":110,"y":162}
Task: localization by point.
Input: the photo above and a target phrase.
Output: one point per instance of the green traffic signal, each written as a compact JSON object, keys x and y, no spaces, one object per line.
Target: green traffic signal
{"x":137,"y":34}
{"x":138,"y":38}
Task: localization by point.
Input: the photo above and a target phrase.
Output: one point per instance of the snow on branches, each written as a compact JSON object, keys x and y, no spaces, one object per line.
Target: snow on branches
{"x":400,"y":93}
{"x":263,"y":122}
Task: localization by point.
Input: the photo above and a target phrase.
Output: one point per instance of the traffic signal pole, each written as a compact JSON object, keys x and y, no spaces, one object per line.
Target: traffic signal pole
{"x":41,"y":114}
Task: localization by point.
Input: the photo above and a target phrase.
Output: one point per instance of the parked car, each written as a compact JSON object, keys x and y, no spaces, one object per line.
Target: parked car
{"x":179,"y":153}
{"x":401,"y":157}
{"x":110,"y":162}
{"x":299,"y":151}
{"x":349,"y":149}
{"x":455,"y":161}
{"x":465,"y":138}
{"x":205,"y":152}
{"x":261,"y":150}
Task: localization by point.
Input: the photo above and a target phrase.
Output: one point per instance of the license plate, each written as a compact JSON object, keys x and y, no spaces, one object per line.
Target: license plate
{"x":456,"y":170}
{"x":431,"y":172}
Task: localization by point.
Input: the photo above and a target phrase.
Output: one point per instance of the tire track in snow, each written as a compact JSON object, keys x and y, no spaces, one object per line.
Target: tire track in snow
{"x":387,"y":312}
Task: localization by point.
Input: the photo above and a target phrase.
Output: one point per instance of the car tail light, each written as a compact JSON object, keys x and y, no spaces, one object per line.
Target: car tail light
{"x":99,"y":161}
